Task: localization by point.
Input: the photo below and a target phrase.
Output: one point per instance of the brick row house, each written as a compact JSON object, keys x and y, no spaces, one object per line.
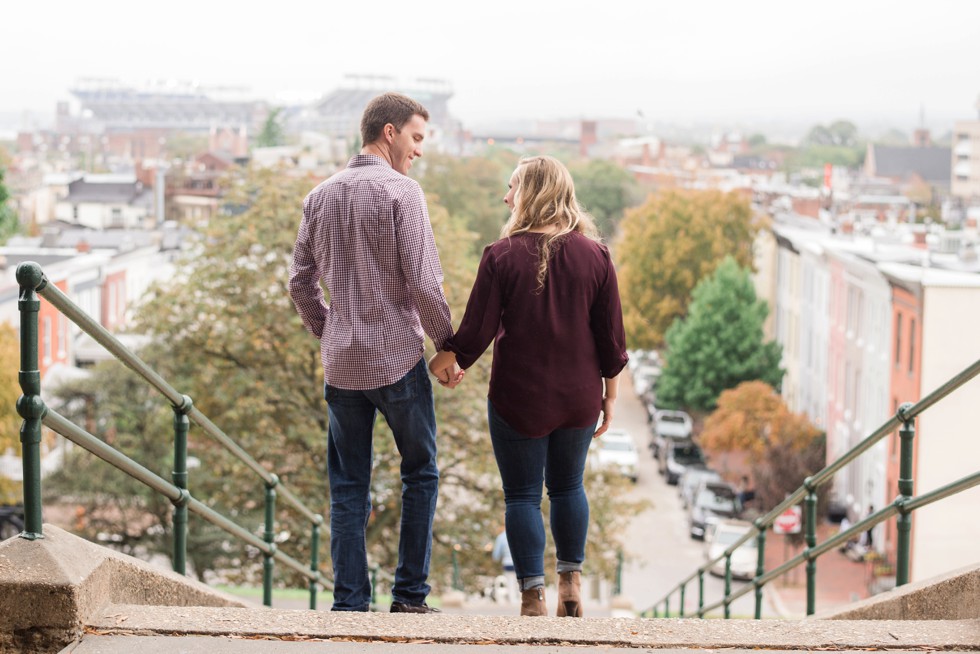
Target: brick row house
{"x":866,"y":325}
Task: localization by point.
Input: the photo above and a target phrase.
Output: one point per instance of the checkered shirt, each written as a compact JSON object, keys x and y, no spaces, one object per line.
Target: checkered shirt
{"x":366,"y":234}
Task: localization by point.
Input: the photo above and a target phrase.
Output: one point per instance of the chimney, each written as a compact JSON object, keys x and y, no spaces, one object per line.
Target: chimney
{"x":921,"y":138}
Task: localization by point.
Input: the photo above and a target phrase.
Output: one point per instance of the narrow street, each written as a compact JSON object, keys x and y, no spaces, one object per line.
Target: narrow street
{"x":659,"y":551}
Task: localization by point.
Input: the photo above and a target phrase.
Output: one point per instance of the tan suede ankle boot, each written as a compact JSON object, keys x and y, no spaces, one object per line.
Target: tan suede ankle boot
{"x":532,"y":601}
{"x":570,"y":594}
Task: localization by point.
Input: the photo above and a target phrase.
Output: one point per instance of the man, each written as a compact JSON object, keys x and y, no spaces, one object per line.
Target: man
{"x":366,"y":234}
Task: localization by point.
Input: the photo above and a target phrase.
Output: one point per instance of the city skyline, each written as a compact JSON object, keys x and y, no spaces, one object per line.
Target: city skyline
{"x":761,"y":64}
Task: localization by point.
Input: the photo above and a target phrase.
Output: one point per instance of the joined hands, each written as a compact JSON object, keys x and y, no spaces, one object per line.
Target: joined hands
{"x":443,"y":365}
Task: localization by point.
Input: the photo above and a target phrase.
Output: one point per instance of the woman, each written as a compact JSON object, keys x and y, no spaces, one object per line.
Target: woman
{"x":546,"y":293}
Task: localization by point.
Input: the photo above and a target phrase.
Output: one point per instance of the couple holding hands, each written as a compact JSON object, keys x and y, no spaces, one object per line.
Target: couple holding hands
{"x":545,"y":294}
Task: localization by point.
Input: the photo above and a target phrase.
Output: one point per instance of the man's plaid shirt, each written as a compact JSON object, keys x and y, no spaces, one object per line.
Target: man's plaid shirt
{"x":366,"y":233}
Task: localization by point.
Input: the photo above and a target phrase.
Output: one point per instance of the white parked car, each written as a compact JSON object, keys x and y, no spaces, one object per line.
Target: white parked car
{"x":744,"y":559}
{"x":669,"y":425}
{"x":615,"y":450}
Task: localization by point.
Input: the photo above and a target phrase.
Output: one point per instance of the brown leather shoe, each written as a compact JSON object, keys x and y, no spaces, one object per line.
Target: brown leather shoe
{"x":570,"y":594}
{"x":399,"y":607}
{"x":532,"y":601}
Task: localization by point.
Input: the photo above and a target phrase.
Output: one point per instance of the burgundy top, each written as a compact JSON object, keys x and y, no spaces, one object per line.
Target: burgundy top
{"x":552,"y":347}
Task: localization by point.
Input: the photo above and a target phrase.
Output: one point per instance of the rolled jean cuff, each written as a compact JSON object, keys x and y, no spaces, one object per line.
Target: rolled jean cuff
{"x":569,"y":566}
{"x":527,"y":583}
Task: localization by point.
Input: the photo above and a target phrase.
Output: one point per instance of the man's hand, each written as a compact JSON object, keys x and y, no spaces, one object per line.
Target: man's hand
{"x":608,"y":405}
{"x":443,"y":366}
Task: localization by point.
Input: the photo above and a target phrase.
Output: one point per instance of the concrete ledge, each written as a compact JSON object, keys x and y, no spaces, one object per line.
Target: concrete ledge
{"x":50,"y":587}
{"x":471,"y":629}
{"x":952,"y":596}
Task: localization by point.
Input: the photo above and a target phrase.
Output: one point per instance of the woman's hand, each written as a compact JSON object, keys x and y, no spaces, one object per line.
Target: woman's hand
{"x":608,"y":406}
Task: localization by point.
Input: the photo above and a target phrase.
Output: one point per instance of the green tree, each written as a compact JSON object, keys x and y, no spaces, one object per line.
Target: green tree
{"x":9,"y":222}
{"x":471,"y":189}
{"x":719,"y":344}
{"x":667,"y":245}
{"x":782,"y":448}
{"x":9,"y":419}
{"x":605,"y":190}
{"x":272,"y":131}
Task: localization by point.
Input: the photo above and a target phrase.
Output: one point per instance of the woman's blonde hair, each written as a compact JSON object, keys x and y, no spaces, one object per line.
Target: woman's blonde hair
{"x":545,"y":197}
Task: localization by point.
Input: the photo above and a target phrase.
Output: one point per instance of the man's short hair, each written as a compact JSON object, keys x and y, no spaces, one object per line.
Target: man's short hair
{"x":393,"y":108}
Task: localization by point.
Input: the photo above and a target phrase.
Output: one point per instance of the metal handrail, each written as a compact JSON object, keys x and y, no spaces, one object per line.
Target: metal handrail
{"x":31,"y":407}
{"x":902,"y":507}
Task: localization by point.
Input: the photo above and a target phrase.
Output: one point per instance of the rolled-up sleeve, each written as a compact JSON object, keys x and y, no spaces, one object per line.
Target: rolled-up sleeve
{"x":482,"y":318}
{"x":304,"y":281}
{"x":419,"y":261}
{"x":606,"y":319}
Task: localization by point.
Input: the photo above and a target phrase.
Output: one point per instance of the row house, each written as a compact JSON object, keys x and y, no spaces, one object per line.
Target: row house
{"x":934,"y":315}
{"x":107,"y":202}
{"x":104,"y":273}
{"x":854,"y":319}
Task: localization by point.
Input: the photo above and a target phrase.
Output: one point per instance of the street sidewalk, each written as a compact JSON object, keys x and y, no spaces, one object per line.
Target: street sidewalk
{"x":840,"y":581}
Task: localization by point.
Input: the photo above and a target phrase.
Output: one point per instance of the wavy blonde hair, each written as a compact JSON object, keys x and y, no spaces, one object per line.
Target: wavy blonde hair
{"x":545,"y":197}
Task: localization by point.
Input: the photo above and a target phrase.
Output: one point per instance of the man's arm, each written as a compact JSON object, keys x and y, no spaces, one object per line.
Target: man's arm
{"x":304,"y":282}
{"x":420,"y":264}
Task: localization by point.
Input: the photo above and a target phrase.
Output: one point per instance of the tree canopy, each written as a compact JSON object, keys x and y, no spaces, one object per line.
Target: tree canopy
{"x":782,"y":447}
{"x":667,"y":245}
{"x":605,"y":190}
{"x":472,"y":190}
{"x":719,"y":344}
{"x":9,"y":392}
{"x":272,"y":132}
{"x":9,"y":222}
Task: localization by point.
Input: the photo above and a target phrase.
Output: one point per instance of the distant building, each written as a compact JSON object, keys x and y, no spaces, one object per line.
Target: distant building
{"x":338,"y":113}
{"x":107,"y":202}
{"x":908,"y":166}
{"x":966,"y":160}
{"x":107,"y":106}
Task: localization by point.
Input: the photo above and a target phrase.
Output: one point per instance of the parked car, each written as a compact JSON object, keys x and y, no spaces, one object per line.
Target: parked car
{"x":644,"y":378}
{"x":669,"y":425}
{"x":677,"y":455}
{"x":713,"y":502}
{"x":690,"y":481}
{"x":744,"y":559}
{"x":615,"y":450}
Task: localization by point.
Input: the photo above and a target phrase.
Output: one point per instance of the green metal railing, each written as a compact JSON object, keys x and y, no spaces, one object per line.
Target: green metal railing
{"x":32,"y":409}
{"x":902,"y":507}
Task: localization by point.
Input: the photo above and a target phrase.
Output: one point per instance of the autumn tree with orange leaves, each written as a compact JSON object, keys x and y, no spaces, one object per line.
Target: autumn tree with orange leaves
{"x":782,"y":447}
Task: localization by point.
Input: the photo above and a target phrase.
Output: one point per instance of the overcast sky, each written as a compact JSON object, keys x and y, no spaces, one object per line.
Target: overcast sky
{"x":684,"y":61}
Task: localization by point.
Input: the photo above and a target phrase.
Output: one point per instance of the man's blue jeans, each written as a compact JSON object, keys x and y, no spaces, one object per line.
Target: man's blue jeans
{"x":407,"y":406}
{"x":558,"y":461}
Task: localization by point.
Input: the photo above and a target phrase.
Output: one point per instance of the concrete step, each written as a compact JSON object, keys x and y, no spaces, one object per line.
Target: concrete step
{"x":284,"y":626}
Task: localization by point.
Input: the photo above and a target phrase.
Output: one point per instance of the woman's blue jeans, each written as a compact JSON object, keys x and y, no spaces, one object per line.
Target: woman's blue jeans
{"x":558,"y":461}
{"x":407,"y":407}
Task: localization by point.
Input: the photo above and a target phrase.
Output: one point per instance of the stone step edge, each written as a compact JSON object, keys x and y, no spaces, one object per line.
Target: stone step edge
{"x":470,"y":629}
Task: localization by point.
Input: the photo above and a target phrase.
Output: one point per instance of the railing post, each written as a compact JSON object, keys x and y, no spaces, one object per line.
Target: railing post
{"x":315,"y":560}
{"x":618,"y":581}
{"x":30,"y":406}
{"x":700,"y":592}
{"x":683,"y":589}
{"x":268,"y":562}
{"x":760,"y":566}
{"x":728,"y":586}
{"x":810,"y":504}
{"x":181,"y":426}
{"x":905,"y":487}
